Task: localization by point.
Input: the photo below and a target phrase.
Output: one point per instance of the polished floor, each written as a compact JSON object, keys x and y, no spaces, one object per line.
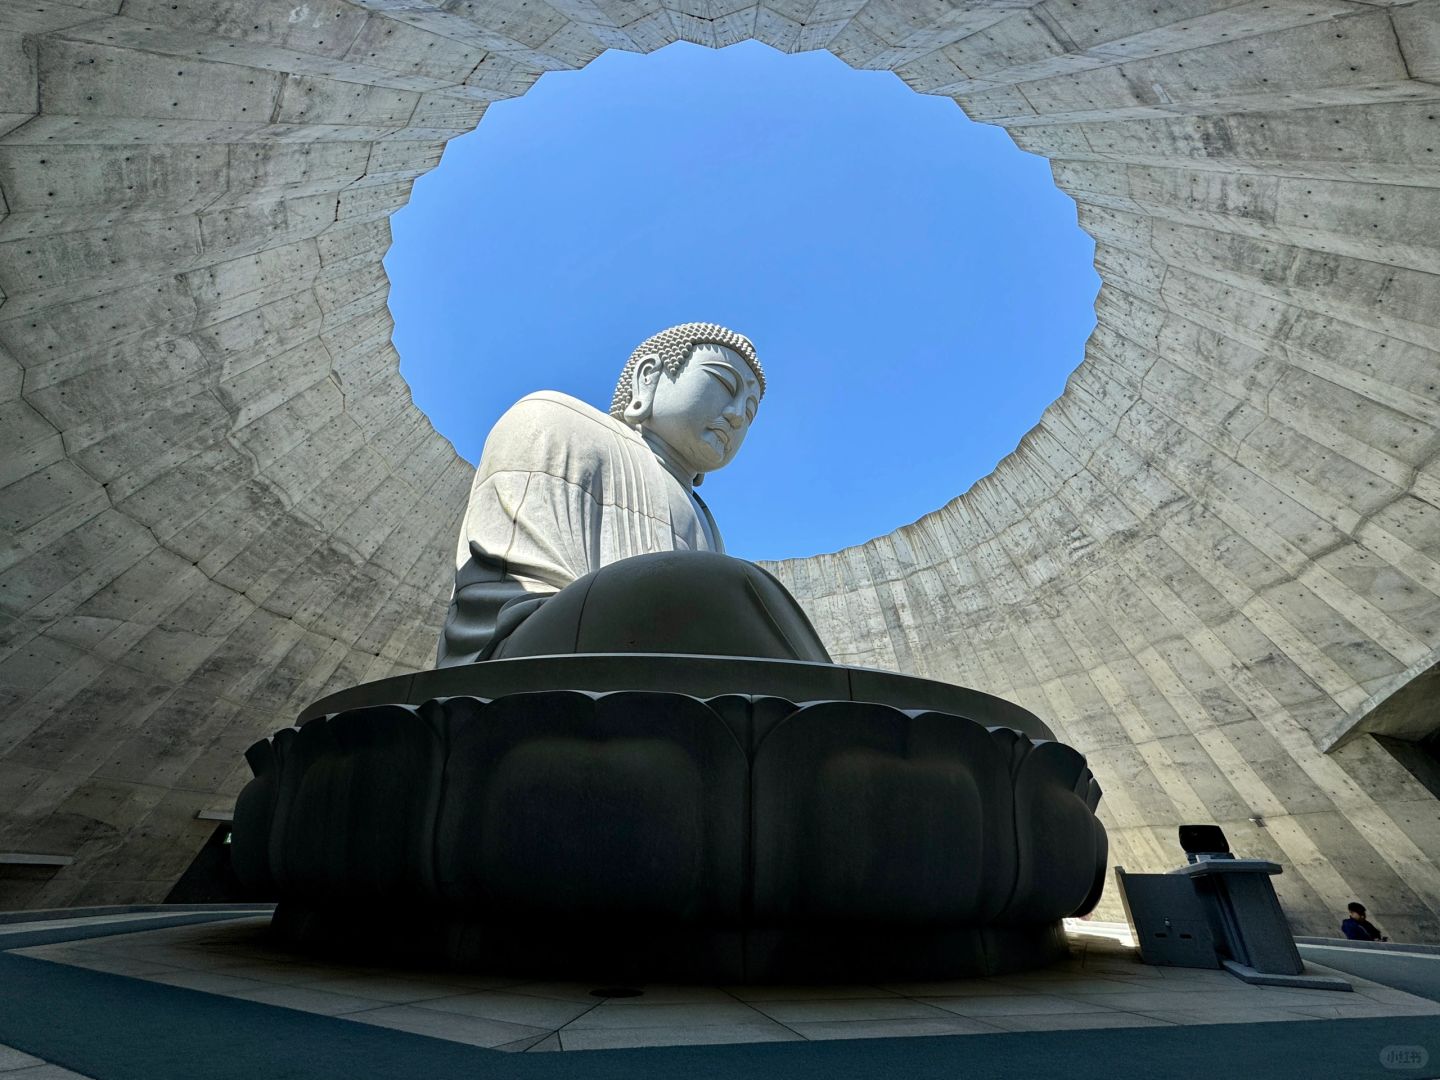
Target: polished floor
{"x":15,"y":1065}
{"x":1102,"y":999}
{"x":1103,"y":985}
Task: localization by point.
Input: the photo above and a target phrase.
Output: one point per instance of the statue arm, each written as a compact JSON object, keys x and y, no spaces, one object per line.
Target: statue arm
{"x":528,"y":531}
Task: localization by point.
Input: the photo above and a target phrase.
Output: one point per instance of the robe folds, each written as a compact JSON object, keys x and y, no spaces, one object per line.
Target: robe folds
{"x":561,"y":490}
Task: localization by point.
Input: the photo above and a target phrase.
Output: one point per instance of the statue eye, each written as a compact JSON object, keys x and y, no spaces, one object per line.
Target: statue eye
{"x":725,"y":377}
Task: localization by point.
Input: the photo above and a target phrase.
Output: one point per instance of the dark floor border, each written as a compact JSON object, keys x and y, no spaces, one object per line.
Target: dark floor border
{"x":112,"y":1027}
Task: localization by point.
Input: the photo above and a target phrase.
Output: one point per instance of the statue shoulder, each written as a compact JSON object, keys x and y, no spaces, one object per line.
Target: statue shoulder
{"x":546,"y":426}
{"x":563,"y":409}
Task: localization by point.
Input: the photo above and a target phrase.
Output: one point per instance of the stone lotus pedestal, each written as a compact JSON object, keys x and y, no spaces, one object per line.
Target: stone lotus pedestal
{"x":673,"y":817}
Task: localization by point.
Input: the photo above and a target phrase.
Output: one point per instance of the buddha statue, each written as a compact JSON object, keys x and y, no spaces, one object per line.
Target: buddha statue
{"x":584,"y":532}
{"x":562,"y":799}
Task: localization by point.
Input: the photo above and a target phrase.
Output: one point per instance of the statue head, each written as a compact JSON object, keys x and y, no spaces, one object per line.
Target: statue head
{"x":695,"y":387}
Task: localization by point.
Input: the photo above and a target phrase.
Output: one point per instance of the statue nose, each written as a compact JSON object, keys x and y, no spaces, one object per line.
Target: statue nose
{"x":734,"y":417}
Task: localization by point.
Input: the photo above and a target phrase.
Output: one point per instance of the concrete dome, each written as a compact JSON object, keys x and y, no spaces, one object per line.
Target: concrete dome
{"x":1213,"y":562}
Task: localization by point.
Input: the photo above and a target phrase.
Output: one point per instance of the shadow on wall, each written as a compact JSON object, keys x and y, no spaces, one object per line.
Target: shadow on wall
{"x":1406,"y":723}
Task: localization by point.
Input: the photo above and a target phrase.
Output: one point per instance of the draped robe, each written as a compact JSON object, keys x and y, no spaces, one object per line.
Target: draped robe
{"x":561,"y":490}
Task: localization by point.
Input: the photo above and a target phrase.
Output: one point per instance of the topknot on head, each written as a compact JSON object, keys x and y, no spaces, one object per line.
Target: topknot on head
{"x":673,"y":348}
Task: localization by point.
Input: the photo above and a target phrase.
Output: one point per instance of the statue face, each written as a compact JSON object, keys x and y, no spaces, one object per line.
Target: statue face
{"x":705,"y":410}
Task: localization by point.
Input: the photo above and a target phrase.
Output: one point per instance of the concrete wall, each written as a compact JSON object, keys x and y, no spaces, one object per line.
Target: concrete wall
{"x":1218,"y":550}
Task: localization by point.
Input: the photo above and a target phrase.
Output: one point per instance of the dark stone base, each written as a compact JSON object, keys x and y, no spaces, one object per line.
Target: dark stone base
{"x":617,"y":952}
{"x":648,"y":834}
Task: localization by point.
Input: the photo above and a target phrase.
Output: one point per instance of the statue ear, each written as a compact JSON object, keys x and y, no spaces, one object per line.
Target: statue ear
{"x":642,"y":390}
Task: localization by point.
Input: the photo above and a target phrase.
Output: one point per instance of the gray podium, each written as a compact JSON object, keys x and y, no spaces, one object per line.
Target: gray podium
{"x":1216,"y":912}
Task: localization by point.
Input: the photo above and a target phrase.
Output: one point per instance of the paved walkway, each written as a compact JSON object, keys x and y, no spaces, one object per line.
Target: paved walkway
{"x":15,"y":1065}
{"x":116,"y":998}
{"x":1416,"y":973}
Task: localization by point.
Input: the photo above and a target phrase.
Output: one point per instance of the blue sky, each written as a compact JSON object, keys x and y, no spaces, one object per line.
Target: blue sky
{"x":915,"y":285}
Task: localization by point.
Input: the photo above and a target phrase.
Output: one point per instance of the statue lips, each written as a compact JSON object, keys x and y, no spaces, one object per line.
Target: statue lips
{"x":722,"y":429}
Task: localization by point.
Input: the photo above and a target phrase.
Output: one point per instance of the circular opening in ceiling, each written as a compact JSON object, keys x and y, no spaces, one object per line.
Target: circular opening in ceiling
{"x":916,"y":286}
